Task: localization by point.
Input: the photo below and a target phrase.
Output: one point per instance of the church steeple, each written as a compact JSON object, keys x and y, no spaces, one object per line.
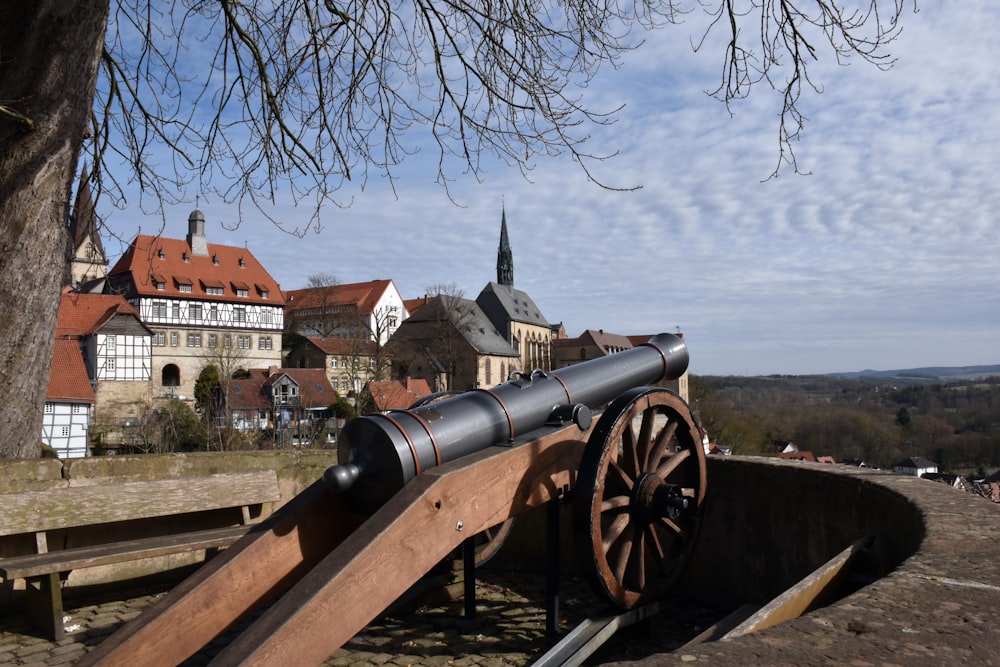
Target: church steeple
{"x":505,"y":258}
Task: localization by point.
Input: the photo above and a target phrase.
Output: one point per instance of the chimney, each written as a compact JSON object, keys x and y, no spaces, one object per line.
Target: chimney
{"x":196,"y":233}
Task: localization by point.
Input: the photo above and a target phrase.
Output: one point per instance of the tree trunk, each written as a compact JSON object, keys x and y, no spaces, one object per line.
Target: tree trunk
{"x":48,"y":72}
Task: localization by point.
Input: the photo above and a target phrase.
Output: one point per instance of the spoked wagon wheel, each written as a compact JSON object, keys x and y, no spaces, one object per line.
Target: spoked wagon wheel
{"x":638,"y":496}
{"x":487,"y":542}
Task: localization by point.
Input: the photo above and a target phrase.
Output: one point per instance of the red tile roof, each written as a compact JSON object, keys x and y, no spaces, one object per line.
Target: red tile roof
{"x":363,"y":296}
{"x":83,"y":314}
{"x":315,"y":390}
{"x":343,"y":346}
{"x":152,"y":259}
{"x":395,"y":395}
{"x":68,"y":381}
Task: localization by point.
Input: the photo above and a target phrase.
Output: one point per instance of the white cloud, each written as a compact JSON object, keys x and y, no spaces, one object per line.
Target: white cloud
{"x":886,"y":256}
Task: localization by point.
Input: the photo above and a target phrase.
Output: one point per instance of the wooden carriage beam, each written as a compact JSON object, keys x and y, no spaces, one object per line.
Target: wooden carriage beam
{"x":333,"y":572}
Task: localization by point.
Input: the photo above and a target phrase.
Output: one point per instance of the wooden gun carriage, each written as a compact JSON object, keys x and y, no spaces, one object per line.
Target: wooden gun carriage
{"x":413,"y":485}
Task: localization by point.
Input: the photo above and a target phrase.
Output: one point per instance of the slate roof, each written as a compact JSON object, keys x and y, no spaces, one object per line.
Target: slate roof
{"x":518,"y":306}
{"x":68,"y":381}
{"x":467,"y":317}
{"x":152,"y":259}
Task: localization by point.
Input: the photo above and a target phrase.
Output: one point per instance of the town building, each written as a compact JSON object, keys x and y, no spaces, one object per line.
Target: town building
{"x":204,"y":304}
{"x":69,"y":401}
{"x":292,"y":402}
{"x":350,"y":363}
{"x":114,"y":349}
{"x":450,"y":343}
{"x":398,"y":394}
{"x":513,"y":313}
{"x":88,"y":261}
{"x":370,"y":310}
{"x":917,"y":466}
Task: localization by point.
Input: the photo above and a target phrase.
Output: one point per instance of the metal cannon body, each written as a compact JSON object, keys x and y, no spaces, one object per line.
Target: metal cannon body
{"x":378,"y":454}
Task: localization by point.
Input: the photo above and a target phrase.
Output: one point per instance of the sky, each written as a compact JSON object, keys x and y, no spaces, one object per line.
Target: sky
{"x":884,"y":255}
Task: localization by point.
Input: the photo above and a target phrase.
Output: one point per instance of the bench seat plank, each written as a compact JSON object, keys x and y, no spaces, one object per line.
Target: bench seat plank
{"x":65,"y":560}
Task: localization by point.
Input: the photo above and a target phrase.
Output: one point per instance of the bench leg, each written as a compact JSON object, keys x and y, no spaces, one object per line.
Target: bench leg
{"x":44,"y":606}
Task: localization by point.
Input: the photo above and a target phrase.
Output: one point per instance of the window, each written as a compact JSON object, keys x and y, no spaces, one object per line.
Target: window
{"x":159,"y":309}
{"x":333,"y":362}
{"x":194,"y":312}
{"x":215,"y":260}
{"x":217,"y":291}
{"x":160,"y":286}
{"x":228,"y":340}
{"x":264,"y":343}
{"x":173,"y":339}
{"x":175,"y":309}
{"x":194,"y":340}
{"x":213,"y":313}
{"x":111,"y":343}
{"x":184,"y":288}
{"x":263,"y":294}
{"x":242,"y":291}
{"x":76,"y":409}
{"x":159,"y":339}
{"x":243,"y":342}
{"x":49,"y":408}
{"x":243,"y":263}
{"x":213,"y":341}
{"x":268,"y":316}
{"x":371,"y":363}
{"x":240,"y":314}
{"x":109,"y":364}
{"x":64,"y":431}
{"x":334,"y":382}
{"x":392,"y":321}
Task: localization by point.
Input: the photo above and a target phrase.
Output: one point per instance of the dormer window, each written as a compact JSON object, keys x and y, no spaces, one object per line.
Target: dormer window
{"x":243,"y":263}
{"x":161,"y":254}
{"x":160,"y":286}
{"x":215,"y":260}
{"x":186,"y":257}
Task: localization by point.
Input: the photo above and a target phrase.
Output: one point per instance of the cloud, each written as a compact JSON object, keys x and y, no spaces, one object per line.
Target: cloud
{"x":886,"y":256}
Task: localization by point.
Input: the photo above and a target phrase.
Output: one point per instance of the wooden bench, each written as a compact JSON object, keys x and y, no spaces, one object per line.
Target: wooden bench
{"x":219,"y":500}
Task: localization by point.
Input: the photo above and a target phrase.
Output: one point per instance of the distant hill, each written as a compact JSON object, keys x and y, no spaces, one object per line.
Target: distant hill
{"x":927,"y":372}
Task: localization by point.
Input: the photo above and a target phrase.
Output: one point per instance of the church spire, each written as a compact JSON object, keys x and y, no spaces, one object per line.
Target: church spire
{"x":505,"y":258}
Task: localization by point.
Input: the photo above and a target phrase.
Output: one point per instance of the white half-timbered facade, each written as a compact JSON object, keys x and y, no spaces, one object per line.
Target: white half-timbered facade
{"x":204,"y":303}
{"x":69,"y":401}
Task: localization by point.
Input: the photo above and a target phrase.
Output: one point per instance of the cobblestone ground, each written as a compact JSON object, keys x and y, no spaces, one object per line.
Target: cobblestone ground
{"x":509,"y":629}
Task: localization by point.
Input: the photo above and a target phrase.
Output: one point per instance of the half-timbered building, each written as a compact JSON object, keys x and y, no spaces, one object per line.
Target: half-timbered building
{"x":204,"y":303}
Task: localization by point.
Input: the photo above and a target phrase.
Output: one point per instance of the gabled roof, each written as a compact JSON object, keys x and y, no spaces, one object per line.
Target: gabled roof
{"x":84,"y":314}
{"x":517,"y":305}
{"x":315,"y":390}
{"x":915,"y":462}
{"x":363,"y":297}
{"x":467,"y":318}
{"x":413,"y":305}
{"x":152,"y":259}
{"x":343,"y":346}
{"x":68,"y":381}
{"x":397,"y":395}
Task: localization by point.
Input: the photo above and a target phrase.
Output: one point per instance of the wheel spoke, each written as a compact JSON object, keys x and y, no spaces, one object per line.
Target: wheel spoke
{"x":663,"y":439}
{"x":614,"y":530}
{"x":645,"y":435}
{"x":624,"y":552}
{"x":614,"y":503}
{"x":620,"y":476}
{"x":630,"y":452}
{"x":671,"y":526}
{"x":671,"y":464}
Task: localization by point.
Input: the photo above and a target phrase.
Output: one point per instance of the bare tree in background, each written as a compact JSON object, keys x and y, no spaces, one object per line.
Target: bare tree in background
{"x":244,"y":100}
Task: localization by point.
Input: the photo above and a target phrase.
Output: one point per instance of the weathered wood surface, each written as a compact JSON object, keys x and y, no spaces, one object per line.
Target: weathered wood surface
{"x":257,"y":568}
{"x":71,"y":506}
{"x":64,"y":560}
{"x":400,"y":543}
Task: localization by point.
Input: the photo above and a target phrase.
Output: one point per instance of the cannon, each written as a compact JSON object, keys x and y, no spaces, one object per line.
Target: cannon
{"x":379,"y":453}
{"x":412,"y":485}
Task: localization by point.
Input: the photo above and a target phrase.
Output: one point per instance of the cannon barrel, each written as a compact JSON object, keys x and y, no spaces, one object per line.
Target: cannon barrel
{"x":378,"y":454}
